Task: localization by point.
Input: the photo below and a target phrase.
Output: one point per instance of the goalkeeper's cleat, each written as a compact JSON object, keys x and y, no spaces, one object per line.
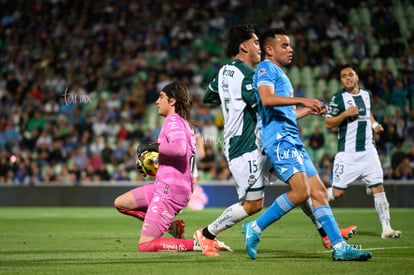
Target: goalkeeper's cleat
{"x":390,"y":233}
{"x":251,"y":239}
{"x":221,"y":246}
{"x":347,"y":233}
{"x":177,"y":229}
{"x":207,"y":246}
{"x":349,"y":253}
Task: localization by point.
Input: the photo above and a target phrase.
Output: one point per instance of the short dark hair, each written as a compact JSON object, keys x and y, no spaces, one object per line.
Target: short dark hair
{"x":270,"y":34}
{"x":345,"y":66}
{"x":237,"y":35}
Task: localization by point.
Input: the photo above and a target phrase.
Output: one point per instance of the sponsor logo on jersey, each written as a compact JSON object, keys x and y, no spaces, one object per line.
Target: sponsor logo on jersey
{"x":289,"y":154}
{"x":228,"y":73}
{"x":261,"y":71}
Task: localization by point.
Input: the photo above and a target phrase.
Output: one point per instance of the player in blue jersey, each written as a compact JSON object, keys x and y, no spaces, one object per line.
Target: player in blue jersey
{"x":282,"y":145}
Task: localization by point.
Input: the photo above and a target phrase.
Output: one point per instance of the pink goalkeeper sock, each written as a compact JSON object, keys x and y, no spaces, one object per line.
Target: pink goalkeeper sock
{"x":167,"y":245}
{"x":137,"y":214}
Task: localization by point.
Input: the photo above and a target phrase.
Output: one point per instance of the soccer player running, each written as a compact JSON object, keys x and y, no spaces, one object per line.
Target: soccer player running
{"x":282,"y":145}
{"x":357,"y":157}
{"x":232,"y":89}
{"x":158,"y":203}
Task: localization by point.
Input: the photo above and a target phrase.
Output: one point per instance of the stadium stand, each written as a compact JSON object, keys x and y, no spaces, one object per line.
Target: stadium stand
{"x":79,"y":54}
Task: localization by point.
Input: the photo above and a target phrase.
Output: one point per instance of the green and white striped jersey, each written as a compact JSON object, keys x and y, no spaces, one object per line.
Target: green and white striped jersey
{"x":232,"y":88}
{"x":355,"y":134}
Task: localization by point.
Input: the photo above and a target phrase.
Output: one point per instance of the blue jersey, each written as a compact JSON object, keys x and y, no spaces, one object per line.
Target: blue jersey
{"x":275,"y":120}
{"x":280,"y":133}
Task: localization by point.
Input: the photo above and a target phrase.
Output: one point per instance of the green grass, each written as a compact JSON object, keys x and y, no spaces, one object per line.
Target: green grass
{"x":101,"y":241}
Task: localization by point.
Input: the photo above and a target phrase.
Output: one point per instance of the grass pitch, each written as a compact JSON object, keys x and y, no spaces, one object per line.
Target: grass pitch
{"x":49,"y":240}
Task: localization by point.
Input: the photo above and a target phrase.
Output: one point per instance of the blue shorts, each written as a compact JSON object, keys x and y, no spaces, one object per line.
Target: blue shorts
{"x":289,"y":156}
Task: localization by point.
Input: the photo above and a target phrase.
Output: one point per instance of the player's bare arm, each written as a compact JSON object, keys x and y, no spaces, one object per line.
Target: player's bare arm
{"x":269,"y":99}
{"x":376,"y":126}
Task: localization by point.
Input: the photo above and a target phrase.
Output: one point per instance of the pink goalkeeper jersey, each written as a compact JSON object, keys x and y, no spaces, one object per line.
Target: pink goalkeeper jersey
{"x":177,"y":154}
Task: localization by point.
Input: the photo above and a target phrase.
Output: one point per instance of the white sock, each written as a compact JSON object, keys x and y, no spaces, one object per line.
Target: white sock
{"x":196,"y":246}
{"x":338,"y":245}
{"x":256,"y":228}
{"x":383,"y":209}
{"x":232,"y":215}
{"x":330,"y":194}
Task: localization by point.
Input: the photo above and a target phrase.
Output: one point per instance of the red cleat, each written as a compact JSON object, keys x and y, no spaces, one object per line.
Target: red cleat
{"x":346,"y":233}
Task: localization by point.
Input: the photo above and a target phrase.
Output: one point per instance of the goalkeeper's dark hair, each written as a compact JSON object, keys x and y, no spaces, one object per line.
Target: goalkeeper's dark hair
{"x":268,"y":36}
{"x":183,"y":99}
{"x":237,"y":35}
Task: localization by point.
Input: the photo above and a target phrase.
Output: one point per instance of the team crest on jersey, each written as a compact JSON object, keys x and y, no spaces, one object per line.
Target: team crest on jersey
{"x":249,"y":87}
{"x":252,"y":180}
{"x":261,"y":71}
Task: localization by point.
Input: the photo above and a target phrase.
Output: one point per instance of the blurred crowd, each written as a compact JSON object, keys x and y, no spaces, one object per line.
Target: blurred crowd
{"x":78,"y":77}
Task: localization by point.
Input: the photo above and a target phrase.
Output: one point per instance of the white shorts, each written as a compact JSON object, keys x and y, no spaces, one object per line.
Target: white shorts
{"x":251,"y":173}
{"x":349,"y":167}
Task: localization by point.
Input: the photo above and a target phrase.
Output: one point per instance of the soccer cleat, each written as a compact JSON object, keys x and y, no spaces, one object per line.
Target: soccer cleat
{"x":346,"y":233}
{"x":251,"y":239}
{"x":221,"y":246}
{"x":177,"y":229}
{"x":350,"y":253}
{"x":326,"y":242}
{"x":390,"y":233}
{"x":207,"y":246}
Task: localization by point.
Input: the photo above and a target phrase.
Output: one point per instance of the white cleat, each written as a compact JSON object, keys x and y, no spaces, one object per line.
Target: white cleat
{"x":391,"y":233}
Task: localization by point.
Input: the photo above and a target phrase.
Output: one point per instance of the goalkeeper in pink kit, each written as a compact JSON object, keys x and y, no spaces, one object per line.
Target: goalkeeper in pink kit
{"x":158,"y":203}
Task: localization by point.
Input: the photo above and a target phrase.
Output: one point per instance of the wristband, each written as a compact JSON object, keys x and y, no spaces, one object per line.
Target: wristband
{"x":374,"y":125}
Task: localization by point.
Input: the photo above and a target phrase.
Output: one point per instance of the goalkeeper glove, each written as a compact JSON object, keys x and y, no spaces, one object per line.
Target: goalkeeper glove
{"x":140,"y":167}
{"x":147,"y":147}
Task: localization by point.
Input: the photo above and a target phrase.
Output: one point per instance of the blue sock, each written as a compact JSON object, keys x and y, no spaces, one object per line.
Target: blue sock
{"x":280,"y":207}
{"x":327,"y":220}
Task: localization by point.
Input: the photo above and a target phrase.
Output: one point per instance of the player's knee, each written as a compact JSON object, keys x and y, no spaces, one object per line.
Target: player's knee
{"x":338,"y":193}
{"x":300,"y":197}
{"x":117,"y":203}
{"x":377,"y":189}
{"x":252,"y":207}
{"x":253,"y":210}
